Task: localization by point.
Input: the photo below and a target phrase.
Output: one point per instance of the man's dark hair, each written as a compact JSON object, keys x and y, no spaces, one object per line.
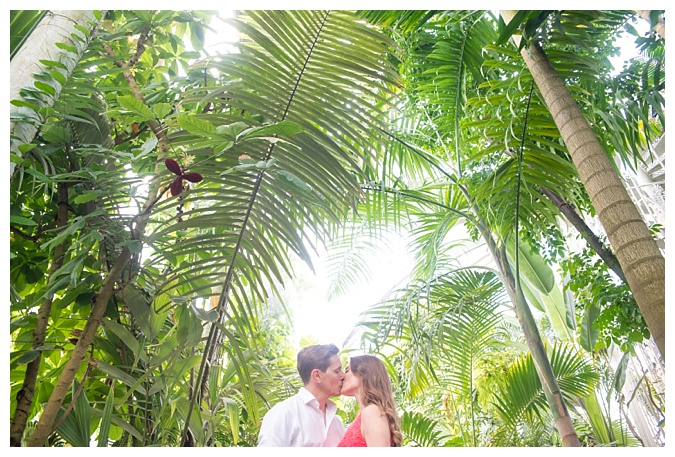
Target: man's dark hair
{"x":316,"y":356}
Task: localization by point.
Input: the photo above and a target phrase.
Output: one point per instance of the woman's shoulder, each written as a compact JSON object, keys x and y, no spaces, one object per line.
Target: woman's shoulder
{"x":372,"y":411}
{"x":375,"y":426}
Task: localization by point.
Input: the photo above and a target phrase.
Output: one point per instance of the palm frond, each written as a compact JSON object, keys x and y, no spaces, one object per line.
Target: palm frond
{"x":439,"y":73}
{"x":295,"y":71}
{"x":399,"y":21}
{"x":521,"y":397}
{"x":421,"y":431}
{"x":284,"y":132}
{"x":22,"y":23}
{"x":453,"y":318}
{"x":348,"y":254}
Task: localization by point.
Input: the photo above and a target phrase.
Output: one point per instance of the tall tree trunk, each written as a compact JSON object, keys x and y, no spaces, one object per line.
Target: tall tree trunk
{"x":45,"y":425}
{"x":24,"y":398}
{"x":549,"y":383}
{"x":55,"y":28}
{"x":639,"y":256}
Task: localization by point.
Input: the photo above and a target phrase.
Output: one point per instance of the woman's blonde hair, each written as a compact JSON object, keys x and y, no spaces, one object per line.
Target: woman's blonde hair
{"x":376,"y":390}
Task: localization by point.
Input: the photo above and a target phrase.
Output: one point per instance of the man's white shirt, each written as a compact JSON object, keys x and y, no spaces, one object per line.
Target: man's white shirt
{"x":298,"y":421}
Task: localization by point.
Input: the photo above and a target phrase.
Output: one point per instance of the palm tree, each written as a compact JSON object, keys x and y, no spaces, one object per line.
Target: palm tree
{"x":466,"y":205}
{"x":635,"y":248}
{"x":495,"y":188}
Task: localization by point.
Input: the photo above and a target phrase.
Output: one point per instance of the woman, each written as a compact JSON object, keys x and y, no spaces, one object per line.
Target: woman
{"x":376,"y":424}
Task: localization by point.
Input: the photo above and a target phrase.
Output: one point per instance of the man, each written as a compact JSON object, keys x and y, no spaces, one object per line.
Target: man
{"x":308,"y":418}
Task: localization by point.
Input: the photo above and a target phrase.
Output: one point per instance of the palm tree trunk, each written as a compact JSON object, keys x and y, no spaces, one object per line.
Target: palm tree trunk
{"x":549,"y":383}
{"x":639,"y":256}
{"x":55,"y":28}
{"x":635,"y":248}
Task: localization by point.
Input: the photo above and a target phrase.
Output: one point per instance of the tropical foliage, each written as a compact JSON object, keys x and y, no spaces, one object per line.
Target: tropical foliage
{"x":158,"y":212}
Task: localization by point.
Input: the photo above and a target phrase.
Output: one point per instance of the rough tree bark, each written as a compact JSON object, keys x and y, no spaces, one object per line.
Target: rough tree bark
{"x":639,"y":256}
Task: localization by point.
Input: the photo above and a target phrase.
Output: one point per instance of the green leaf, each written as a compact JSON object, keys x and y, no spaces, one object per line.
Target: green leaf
{"x":589,"y":336}
{"x":140,"y":308}
{"x":175,"y":372}
{"x":20,"y":220}
{"x":66,"y":47}
{"x":231,"y":130}
{"x":127,"y":338}
{"x":284,"y":128}
{"x":620,"y":373}
{"x":421,"y":430}
{"x":58,"y":76}
{"x":87,"y":196}
{"x":117,"y":421}
{"x":196,"y":426}
{"x":210,"y":315}
{"x":222,"y":146}
{"x":292,"y":182}
{"x":162,"y":109}
{"x":26,"y":147}
{"x":196,"y":126}
{"x":597,"y":419}
{"x":28,"y":357}
{"x":127,"y":379}
{"x":75,"y":427}
{"x":189,"y":327}
{"x":53,"y":64}
{"x":147,"y":147}
{"x":40,"y":176}
{"x":56,"y":134}
{"x":44,"y":87}
{"x":134,"y":246}
{"x":24,"y":104}
{"x":233,"y":416}
{"x":104,"y":429}
{"x":553,"y":304}
{"x":190,"y":55}
{"x":136,"y":107}
{"x":14,"y":158}
{"x":69,"y":232}
{"x":532,"y":267}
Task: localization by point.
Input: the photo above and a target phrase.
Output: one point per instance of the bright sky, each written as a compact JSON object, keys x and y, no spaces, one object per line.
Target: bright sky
{"x":332,"y":321}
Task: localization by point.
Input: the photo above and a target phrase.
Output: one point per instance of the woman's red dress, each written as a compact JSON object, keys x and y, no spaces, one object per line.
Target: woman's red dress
{"x":353,"y":436}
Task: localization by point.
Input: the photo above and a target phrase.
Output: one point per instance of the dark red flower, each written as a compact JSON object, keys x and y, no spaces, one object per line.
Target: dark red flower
{"x":173,"y":166}
{"x":177,"y":184}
